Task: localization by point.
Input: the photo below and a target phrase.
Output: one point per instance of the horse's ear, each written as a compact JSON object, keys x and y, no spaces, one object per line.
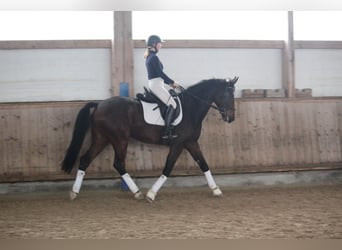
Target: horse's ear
{"x":234,"y":80}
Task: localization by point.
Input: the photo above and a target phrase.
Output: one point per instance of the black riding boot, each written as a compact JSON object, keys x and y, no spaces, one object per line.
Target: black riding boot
{"x":168,"y":127}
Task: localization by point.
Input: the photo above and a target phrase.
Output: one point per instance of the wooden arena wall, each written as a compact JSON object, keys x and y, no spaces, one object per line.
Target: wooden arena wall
{"x":43,"y":84}
{"x":267,"y":135}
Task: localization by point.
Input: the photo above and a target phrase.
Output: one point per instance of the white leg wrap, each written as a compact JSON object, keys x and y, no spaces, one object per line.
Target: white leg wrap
{"x":151,"y":194}
{"x":78,"y":182}
{"x":159,"y":183}
{"x":130,"y":183}
{"x":211,"y":183}
{"x":210,"y":179}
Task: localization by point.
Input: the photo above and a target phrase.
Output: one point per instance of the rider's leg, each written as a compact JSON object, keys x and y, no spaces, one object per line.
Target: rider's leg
{"x":168,"y":127}
{"x":158,"y":88}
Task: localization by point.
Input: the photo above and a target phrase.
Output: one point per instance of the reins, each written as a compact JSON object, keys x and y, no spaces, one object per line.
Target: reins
{"x":221,"y":110}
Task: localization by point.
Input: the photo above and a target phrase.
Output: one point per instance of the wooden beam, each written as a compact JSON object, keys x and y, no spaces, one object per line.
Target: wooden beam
{"x":249,"y":44}
{"x":122,"y":52}
{"x":318,"y":44}
{"x":55,"y":44}
{"x":289,"y":60}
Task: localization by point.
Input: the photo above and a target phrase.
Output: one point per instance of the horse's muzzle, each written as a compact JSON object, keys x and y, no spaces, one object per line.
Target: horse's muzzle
{"x":228,"y":116}
{"x":228,"y":119}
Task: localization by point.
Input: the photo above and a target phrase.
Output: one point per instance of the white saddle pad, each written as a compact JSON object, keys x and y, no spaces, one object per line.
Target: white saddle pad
{"x":152,"y":114}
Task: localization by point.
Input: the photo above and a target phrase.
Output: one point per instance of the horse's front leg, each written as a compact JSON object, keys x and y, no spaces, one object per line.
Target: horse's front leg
{"x":196,"y":153}
{"x":175,"y":151}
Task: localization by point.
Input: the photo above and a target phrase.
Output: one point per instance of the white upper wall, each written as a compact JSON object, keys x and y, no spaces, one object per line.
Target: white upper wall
{"x":320,"y":70}
{"x":54,"y":74}
{"x":34,"y":75}
{"x":257,"y":68}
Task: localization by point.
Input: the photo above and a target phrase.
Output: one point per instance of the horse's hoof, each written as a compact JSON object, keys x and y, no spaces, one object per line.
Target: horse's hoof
{"x":139,"y":195}
{"x":217,"y":192}
{"x":72,"y":195}
{"x":150,"y":196}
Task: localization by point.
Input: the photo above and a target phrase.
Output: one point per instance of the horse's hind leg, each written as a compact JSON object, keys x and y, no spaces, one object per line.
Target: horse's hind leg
{"x":197,"y":155}
{"x":119,"y":164}
{"x":96,"y":147}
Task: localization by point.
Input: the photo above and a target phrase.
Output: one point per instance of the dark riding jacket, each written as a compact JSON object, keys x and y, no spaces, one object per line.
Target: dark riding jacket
{"x":155,"y":68}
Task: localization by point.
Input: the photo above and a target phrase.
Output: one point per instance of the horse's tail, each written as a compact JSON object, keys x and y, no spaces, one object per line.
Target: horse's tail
{"x":81,"y":127}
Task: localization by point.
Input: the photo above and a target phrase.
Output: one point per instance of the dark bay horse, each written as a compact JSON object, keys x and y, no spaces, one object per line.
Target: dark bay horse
{"x":114,"y":120}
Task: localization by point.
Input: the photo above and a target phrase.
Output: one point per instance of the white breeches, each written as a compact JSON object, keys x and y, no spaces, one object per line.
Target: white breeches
{"x":157,"y":86}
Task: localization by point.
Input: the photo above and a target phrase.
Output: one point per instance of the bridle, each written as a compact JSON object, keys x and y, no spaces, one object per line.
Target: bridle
{"x":219,"y":109}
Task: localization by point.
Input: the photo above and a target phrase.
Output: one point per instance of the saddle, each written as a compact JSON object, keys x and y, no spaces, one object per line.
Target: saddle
{"x":155,"y":110}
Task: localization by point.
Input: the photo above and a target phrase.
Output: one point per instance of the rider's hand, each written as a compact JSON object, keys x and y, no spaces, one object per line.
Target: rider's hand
{"x":175,"y":85}
{"x":178,"y":87}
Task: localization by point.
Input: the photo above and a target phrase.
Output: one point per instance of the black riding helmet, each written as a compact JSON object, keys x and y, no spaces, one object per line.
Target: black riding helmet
{"x":152,"y":40}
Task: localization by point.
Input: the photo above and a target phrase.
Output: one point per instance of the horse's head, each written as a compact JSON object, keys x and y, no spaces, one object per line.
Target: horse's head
{"x":224,"y":100}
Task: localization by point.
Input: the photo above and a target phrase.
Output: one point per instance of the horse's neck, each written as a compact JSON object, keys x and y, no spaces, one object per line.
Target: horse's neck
{"x":199,"y":105}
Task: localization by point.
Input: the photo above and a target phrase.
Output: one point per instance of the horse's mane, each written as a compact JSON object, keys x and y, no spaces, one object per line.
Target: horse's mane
{"x":204,"y":85}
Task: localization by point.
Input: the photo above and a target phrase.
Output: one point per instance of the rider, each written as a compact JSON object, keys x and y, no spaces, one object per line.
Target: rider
{"x":156,"y":80}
